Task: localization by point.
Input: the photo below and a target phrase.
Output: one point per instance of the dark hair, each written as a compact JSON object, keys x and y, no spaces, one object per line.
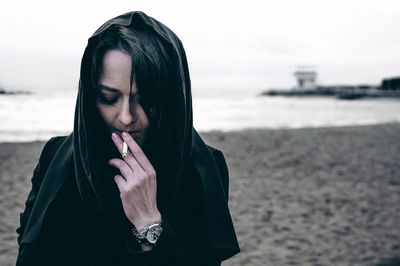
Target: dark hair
{"x":149,"y":65}
{"x":160,"y":70}
{"x":151,"y":70}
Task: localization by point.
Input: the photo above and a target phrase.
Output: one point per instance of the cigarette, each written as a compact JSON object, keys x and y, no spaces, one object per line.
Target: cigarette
{"x":124,"y":149}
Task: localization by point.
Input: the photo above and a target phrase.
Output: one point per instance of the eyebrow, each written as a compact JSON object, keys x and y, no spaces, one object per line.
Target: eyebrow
{"x":104,"y":87}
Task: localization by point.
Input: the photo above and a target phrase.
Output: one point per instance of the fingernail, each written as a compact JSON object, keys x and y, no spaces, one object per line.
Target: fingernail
{"x":113,"y":135}
{"x":124,"y":134}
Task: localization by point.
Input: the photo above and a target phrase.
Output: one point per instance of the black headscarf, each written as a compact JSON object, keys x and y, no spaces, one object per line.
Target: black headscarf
{"x":80,"y":151}
{"x":171,"y":143}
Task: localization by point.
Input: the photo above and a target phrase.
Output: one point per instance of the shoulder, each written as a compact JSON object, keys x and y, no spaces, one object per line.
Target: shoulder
{"x":218,"y":156}
{"x":53,"y":144}
{"x":51,"y":147}
{"x":46,"y":156}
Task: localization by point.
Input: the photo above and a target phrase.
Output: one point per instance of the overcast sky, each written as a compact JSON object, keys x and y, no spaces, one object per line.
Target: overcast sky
{"x":231,"y":44}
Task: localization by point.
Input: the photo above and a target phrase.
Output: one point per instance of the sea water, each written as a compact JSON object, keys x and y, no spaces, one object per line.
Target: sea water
{"x":41,"y":115}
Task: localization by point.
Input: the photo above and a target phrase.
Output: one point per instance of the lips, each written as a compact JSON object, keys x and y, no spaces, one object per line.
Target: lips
{"x":133,"y":133}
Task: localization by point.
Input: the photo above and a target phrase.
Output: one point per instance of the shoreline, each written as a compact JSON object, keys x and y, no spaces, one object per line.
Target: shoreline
{"x":307,"y":196}
{"x":243,"y":130}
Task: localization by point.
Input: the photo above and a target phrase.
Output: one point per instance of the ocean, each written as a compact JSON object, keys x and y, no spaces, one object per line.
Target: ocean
{"x":41,"y":115}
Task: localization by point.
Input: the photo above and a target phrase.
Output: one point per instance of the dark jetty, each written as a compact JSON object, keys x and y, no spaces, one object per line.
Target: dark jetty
{"x":389,"y":88}
{"x":4,"y":92}
{"x":341,"y":92}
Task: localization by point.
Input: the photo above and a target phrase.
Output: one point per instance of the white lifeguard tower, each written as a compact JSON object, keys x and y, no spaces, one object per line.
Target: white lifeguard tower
{"x":306,"y":77}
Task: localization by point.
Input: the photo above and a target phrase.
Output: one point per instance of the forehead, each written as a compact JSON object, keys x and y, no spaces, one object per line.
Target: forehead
{"x":117,"y":60}
{"x":116,"y":71}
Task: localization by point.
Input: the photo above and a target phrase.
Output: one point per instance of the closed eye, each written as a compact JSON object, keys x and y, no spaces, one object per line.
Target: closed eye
{"x":110,"y":96}
{"x":107,"y":95}
{"x":107,"y":100}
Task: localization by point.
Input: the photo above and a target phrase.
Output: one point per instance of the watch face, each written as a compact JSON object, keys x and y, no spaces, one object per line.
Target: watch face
{"x":153,"y":233}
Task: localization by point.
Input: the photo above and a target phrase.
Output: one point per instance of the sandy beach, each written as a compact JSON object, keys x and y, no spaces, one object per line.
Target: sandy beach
{"x":324,"y":196}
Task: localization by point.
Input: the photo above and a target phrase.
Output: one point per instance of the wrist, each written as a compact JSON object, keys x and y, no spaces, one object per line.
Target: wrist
{"x":149,"y":235}
{"x":142,"y":222}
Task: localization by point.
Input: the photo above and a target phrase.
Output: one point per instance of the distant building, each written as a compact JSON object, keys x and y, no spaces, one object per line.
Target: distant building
{"x":306,"y":77}
{"x":391,"y":84}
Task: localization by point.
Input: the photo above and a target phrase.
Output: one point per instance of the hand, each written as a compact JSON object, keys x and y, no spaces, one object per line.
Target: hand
{"x":137,"y":183}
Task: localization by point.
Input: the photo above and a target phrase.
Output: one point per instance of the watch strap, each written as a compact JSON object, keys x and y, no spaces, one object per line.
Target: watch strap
{"x":141,"y":237}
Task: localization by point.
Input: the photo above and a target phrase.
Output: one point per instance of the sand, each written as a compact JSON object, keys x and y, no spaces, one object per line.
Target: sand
{"x":326,"y":196}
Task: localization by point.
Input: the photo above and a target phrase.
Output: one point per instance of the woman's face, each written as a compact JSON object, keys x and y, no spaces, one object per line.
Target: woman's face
{"x":113,"y":104}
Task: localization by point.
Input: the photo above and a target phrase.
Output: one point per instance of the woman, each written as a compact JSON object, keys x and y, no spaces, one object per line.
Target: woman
{"x":162,"y":200}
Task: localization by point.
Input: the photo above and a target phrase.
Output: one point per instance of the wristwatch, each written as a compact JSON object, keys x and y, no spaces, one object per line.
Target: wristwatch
{"x":150,"y":233}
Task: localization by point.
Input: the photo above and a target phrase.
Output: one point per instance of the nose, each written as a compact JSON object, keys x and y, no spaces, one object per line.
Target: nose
{"x":126,"y":117}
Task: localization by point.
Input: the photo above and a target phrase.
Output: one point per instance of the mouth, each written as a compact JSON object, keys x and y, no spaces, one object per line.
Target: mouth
{"x":134,"y":133}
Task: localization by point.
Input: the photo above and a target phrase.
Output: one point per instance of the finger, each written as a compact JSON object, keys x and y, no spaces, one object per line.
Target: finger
{"x":118,"y":142}
{"x":120,"y":181}
{"x":137,"y":152}
{"x":123,"y":167}
{"x":133,"y":163}
{"x":129,"y":158}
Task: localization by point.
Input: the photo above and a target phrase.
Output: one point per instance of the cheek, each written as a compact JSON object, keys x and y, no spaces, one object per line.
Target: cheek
{"x":106,"y":113}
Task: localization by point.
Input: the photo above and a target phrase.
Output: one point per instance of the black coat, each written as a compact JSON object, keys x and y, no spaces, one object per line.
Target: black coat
{"x":72,"y":235}
{"x":73,"y":214}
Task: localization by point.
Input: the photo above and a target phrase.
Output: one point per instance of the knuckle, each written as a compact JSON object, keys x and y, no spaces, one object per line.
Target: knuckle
{"x":136,"y":186}
{"x":152,"y":173}
{"x":129,"y":189}
{"x":122,"y":192}
{"x":142,"y":178}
